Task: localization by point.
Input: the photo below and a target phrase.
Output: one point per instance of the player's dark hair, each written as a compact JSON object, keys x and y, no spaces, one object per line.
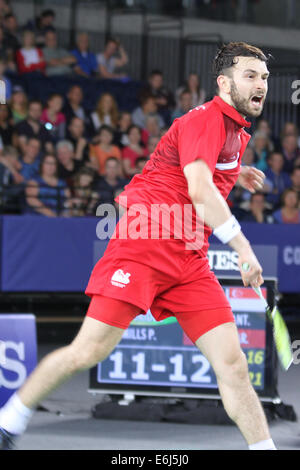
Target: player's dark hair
{"x":227,"y":56}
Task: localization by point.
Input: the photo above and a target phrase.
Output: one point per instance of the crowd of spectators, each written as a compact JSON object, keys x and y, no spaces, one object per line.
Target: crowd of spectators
{"x":58,"y":158}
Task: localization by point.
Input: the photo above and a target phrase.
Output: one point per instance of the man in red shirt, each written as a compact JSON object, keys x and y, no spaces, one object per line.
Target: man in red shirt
{"x":150,"y":263}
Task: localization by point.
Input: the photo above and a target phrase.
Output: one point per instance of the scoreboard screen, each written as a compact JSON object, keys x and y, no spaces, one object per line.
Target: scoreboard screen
{"x":157,"y":358}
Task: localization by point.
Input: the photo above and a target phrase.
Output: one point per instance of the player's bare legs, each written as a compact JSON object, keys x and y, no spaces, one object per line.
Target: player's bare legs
{"x":222,"y":349}
{"x":93,"y":344}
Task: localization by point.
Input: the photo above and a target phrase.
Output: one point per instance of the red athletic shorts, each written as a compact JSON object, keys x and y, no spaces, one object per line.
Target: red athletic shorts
{"x":159,"y":275}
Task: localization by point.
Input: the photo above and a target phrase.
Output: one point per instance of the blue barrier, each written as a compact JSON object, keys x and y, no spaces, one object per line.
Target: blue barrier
{"x":18,"y":352}
{"x":42,"y":254}
{"x":40,"y":87}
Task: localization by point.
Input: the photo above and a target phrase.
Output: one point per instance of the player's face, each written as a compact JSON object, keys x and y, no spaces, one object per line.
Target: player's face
{"x":249,"y":86}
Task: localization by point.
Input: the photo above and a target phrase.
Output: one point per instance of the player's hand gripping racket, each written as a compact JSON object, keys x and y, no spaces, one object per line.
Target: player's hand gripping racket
{"x":280,"y":331}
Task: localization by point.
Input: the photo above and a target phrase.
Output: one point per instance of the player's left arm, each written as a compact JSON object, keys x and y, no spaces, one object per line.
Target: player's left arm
{"x":251,"y":178}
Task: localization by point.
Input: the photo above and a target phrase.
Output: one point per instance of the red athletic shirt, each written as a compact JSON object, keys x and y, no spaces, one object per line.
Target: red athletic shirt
{"x":213,"y":132}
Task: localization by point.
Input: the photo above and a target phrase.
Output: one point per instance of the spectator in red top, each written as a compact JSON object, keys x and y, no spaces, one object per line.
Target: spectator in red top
{"x":53,"y":118}
{"x":133,"y":151}
{"x":30,"y":58}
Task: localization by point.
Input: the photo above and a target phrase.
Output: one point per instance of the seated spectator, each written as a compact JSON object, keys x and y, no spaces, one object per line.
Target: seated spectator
{"x":11,"y":187}
{"x":295,"y":178}
{"x":264,"y":126}
{"x":6,"y":80}
{"x":276,"y":180}
{"x":185,"y":105}
{"x":84,"y":198}
{"x":290,"y":151}
{"x":58,"y":60}
{"x":112,"y":58}
{"x":6,"y":128}
{"x":46,"y":194}
{"x":86,"y":62}
{"x":5,"y":8}
{"x":106,"y":112}
{"x":121,"y":132}
{"x":152,"y":144}
{"x":259,"y":143}
{"x":41,"y":25}
{"x":163,"y":96}
{"x":151,"y":129}
{"x":111,"y":181}
{"x":76,"y":135}
{"x":3,"y":49}
{"x":73,"y":104}
{"x":68,"y":165}
{"x":18,"y":104}
{"x":7,"y":55}
{"x":53,"y":118}
{"x":140,"y":164}
{"x":289,"y":212}
{"x":30,"y":158}
{"x":10,"y":167}
{"x":102,"y":148}
{"x":257,"y":210}
{"x":290,"y":128}
{"x":29,"y":57}
{"x":240,"y":197}
{"x":132,"y":151}
{"x":32,"y":127}
{"x":163,"y":131}
{"x":192,"y":85}
{"x":249,"y":156}
{"x":148,"y":108}
{"x":11,"y":35}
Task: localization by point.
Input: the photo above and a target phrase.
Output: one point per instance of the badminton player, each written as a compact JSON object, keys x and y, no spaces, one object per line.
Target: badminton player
{"x":196,"y":164}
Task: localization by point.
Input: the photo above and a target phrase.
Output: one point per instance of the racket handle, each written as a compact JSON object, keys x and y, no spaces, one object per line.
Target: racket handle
{"x":257,"y":290}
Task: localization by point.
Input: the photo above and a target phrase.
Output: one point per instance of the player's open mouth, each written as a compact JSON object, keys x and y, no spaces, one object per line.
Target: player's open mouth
{"x":257,"y":100}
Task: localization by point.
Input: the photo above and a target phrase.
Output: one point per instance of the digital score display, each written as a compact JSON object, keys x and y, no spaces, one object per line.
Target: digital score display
{"x":158,"y":358}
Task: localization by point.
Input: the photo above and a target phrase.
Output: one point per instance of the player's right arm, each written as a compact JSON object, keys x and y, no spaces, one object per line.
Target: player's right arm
{"x":216,"y":213}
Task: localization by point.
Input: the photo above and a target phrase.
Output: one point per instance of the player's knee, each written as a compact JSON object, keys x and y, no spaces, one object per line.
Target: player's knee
{"x":234,"y":368}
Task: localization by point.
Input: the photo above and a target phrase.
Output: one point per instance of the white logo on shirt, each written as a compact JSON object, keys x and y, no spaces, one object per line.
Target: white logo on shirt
{"x":120,"y":279}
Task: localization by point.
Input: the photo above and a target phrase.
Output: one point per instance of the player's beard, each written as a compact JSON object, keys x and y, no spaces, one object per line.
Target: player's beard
{"x":241,"y":104}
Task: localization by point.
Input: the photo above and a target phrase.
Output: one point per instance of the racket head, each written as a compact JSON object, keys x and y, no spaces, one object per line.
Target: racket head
{"x":281,"y":338}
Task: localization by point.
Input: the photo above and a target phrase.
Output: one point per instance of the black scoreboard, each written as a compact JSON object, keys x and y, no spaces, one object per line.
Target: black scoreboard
{"x":157,"y":358}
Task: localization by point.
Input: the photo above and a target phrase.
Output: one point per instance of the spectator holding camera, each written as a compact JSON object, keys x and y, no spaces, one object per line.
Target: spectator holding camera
{"x":32,"y":127}
{"x":53,"y":118}
{"x":76,"y":135}
{"x":111,"y":59}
